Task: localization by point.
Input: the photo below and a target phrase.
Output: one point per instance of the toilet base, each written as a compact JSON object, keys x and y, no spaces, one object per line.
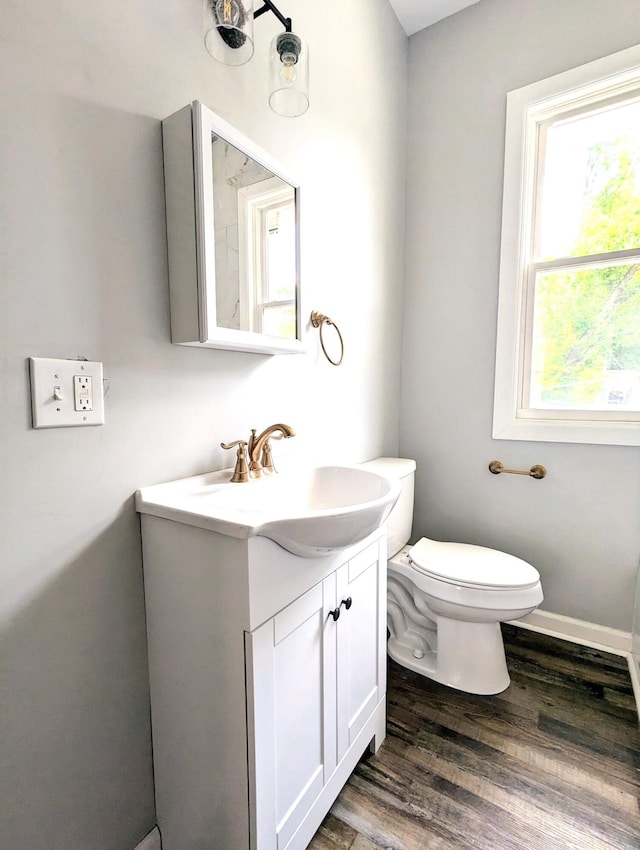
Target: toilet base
{"x":469,"y":657}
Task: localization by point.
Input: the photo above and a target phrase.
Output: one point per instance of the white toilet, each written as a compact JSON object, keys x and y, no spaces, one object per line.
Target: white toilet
{"x":445,"y":601}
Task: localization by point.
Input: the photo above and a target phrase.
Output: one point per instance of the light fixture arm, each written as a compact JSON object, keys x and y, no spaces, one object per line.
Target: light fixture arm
{"x":271,"y":7}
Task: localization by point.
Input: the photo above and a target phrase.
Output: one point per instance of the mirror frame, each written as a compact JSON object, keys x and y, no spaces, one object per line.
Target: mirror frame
{"x":187,"y":139}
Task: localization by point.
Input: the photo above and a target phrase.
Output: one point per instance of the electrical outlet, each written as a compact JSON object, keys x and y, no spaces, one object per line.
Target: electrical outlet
{"x":66,"y":393}
{"x":83,"y":392}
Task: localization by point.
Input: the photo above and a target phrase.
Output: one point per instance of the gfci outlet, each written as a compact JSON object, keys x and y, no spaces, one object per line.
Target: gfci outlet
{"x":66,"y":393}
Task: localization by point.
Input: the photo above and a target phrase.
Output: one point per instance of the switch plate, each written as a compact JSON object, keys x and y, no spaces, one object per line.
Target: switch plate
{"x":66,"y":393}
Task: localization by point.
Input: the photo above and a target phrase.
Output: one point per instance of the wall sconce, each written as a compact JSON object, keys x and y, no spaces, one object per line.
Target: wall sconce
{"x":229,"y":39}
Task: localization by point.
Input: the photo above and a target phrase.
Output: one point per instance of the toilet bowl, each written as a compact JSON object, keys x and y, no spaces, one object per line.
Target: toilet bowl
{"x":445,"y":601}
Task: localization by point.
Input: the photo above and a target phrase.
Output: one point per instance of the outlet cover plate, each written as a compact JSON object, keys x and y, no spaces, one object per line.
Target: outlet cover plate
{"x":53,"y":392}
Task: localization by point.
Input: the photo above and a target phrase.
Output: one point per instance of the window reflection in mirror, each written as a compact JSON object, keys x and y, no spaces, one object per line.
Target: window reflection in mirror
{"x":255,"y":245}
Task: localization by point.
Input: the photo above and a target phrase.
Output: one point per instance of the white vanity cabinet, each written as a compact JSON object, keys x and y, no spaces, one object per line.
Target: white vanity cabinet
{"x":262,"y":702}
{"x":314,"y":683}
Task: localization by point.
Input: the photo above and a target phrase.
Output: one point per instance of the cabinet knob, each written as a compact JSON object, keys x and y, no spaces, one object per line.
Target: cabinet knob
{"x":336,"y":611}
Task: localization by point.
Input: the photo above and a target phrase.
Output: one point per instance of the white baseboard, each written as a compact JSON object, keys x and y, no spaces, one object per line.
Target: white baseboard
{"x":634,"y":672}
{"x":151,"y":841}
{"x":586,"y":634}
{"x":577,"y":631}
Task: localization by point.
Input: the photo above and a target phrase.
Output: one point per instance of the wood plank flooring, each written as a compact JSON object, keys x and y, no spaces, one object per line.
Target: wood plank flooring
{"x":553,"y":763}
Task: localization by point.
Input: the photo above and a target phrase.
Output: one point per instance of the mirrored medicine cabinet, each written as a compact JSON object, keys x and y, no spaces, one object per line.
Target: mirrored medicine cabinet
{"x":233,"y":230}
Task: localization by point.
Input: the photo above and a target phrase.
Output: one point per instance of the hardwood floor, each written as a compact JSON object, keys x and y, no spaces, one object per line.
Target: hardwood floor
{"x":550,"y":764}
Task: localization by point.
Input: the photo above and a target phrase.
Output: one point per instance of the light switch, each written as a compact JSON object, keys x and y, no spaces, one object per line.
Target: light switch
{"x":66,"y":393}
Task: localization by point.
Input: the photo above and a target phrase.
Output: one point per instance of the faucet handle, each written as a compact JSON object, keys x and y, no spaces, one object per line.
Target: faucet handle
{"x":241,"y":471}
{"x":266,"y":459}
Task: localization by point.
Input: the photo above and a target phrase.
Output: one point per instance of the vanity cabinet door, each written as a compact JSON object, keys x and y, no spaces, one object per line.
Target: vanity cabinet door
{"x":291,"y":700}
{"x":361,"y":656}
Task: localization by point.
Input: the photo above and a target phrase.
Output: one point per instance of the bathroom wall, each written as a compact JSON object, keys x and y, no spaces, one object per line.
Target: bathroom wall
{"x":581,"y":525}
{"x":84,"y":274}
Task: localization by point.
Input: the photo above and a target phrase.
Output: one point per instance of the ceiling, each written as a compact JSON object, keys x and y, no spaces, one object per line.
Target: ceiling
{"x":415,"y":15}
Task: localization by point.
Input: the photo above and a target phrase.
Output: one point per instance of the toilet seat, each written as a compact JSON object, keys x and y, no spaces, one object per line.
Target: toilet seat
{"x":475,"y":567}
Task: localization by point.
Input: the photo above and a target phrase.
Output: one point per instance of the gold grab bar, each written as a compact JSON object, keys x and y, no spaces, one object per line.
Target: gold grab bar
{"x":318,"y":320}
{"x":536,"y":471}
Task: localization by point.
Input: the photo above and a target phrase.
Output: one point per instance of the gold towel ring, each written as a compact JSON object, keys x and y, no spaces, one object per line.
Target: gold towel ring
{"x":318,"y":320}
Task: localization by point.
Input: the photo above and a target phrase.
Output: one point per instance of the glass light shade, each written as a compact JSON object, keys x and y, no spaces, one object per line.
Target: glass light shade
{"x":289,"y":75}
{"x":228,"y":30}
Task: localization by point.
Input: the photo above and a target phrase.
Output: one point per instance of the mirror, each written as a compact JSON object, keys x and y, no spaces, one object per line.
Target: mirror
{"x":233,"y":234}
{"x":255,"y":244}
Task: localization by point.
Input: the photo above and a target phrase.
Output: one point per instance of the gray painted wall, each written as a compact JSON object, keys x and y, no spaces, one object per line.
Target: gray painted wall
{"x":84,"y":272}
{"x":579,"y":526}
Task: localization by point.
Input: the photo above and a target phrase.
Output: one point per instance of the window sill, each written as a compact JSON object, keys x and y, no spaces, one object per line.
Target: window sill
{"x":567,"y":431}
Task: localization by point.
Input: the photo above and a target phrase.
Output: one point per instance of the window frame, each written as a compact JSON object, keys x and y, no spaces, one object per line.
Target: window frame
{"x":253,"y":202}
{"x":529,"y":110}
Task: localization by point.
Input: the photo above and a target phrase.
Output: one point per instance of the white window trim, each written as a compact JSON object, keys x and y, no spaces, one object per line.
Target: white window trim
{"x":526,"y":108}
{"x":252,"y":200}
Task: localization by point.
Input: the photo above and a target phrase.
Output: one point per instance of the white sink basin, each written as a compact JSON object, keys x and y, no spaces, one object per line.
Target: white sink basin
{"x":309,"y":512}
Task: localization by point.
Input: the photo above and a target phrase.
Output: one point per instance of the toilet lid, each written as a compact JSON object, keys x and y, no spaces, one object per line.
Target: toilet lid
{"x":471,"y":566}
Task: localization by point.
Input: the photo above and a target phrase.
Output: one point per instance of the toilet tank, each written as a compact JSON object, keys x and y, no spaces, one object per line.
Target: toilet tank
{"x":401,"y":517}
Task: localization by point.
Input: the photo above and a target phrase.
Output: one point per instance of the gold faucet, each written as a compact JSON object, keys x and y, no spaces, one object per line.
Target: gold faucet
{"x":259,"y":460}
{"x":259,"y":465}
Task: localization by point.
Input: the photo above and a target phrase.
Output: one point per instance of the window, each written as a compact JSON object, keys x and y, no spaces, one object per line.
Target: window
{"x":267,"y":233}
{"x":568,"y":348}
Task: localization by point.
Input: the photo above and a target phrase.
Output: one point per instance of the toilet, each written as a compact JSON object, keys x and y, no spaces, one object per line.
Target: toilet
{"x":445,"y":601}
